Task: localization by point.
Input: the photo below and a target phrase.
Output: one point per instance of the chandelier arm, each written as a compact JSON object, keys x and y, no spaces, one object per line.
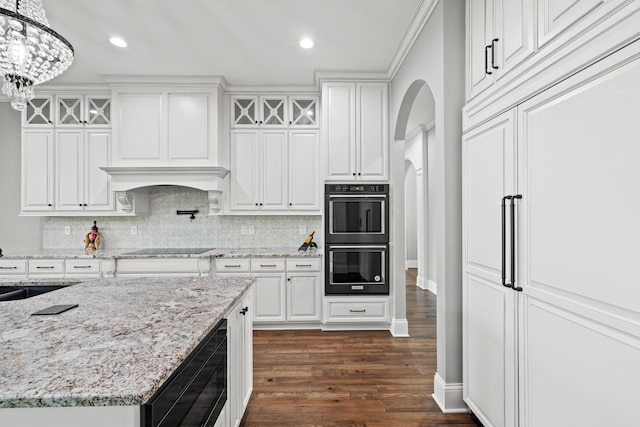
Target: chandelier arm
{"x":30,"y":21}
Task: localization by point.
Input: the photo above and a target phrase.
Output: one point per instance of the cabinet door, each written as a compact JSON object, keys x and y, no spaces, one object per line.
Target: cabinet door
{"x":97,"y":188}
{"x":303,"y":297}
{"x":273,"y":111}
{"x":578,"y":167}
{"x":37,"y":170}
{"x":273,"y":170}
{"x":244,"y":111}
{"x":235,"y":364}
{"x":515,"y":31}
{"x":303,"y":112}
{"x":244,"y":169}
{"x":188,"y":127}
{"x":247,"y":349}
{"x":556,"y":16}
{"x":304,"y":170}
{"x":372,"y":134}
{"x":339,"y":130}
{"x":479,"y":36}
{"x":39,"y":112}
{"x":69,"y":170}
{"x":69,"y":111}
{"x":138,"y":128}
{"x":489,"y":308}
{"x":98,"y":111}
{"x":270,"y":298}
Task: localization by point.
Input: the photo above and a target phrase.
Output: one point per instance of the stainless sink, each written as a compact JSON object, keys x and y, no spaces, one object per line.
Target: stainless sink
{"x":11,"y":293}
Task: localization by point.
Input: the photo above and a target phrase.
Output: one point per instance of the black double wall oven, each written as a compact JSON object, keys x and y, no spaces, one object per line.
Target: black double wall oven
{"x":357,"y":239}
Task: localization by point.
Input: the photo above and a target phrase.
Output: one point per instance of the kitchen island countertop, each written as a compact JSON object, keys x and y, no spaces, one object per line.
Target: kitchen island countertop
{"x":117,"y":347}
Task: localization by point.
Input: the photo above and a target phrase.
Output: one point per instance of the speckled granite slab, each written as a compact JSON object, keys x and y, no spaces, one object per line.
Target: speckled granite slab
{"x":116,"y":348}
{"x":126,"y":253}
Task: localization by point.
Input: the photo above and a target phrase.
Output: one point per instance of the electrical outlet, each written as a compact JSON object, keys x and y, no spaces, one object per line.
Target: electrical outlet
{"x":134,"y":230}
{"x":243,"y":230}
{"x":303,"y":230}
{"x":251,"y":230}
{"x":67,"y":230}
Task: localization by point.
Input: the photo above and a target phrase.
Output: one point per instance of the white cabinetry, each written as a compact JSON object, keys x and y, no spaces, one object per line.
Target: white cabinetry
{"x":287,"y":291}
{"x":355,"y":130}
{"x":61,"y":161}
{"x":240,"y":359}
{"x":165,"y":125}
{"x":500,"y":35}
{"x":576,"y":305}
{"x":274,"y":170}
{"x":80,"y":184}
{"x":145,"y":267}
{"x":258,"y":170}
{"x":279,"y":111}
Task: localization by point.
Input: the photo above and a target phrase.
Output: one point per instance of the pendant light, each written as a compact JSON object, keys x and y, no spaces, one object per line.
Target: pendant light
{"x":30,"y":52}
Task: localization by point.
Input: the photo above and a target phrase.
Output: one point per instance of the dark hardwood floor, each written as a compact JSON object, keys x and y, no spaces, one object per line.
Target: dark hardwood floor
{"x":364,"y":379}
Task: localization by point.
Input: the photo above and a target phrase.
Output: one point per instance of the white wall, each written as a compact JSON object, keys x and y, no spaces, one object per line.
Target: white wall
{"x":437,"y":58}
{"x":432,"y":264}
{"x":411,"y":216}
{"x":16,"y":233}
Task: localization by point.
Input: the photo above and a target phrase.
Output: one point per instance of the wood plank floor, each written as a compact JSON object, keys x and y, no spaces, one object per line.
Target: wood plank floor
{"x":364,"y":379}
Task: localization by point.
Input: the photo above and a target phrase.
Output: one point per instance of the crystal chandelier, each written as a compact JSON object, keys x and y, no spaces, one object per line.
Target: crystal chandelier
{"x":30,"y":52}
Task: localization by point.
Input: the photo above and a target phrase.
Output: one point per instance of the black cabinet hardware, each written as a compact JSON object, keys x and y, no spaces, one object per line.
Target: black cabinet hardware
{"x":493,"y":54}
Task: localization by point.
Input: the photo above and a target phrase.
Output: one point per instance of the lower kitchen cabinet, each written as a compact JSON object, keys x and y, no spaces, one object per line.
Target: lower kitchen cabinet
{"x":240,"y":359}
{"x":287,"y":291}
{"x":53,"y":269}
{"x":356,"y":309}
{"x":144,"y":267}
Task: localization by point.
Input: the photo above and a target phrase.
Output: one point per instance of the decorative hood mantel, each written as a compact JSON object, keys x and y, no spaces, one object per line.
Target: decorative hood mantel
{"x":205,"y":178}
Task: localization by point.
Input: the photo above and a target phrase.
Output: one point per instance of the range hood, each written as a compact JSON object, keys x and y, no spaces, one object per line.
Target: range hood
{"x":125,"y":179}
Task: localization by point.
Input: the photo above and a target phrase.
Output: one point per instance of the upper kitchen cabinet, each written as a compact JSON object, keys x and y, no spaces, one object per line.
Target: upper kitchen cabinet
{"x":83,"y":110}
{"x":165,"y":125}
{"x":39,"y":112}
{"x":500,"y":35}
{"x":355,"y":130}
{"x":279,"y":111}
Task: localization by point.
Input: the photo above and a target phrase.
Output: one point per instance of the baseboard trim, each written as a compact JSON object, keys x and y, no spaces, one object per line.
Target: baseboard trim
{"x":399,"y":328}
{"x":432,"y":287}
{"x":411,"y":263}
{"x":420,"y":282}
{"x":448,"y":396}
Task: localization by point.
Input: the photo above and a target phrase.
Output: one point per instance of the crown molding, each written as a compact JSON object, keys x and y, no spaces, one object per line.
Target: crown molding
{"x":155,"y":80}
{"x":323,"y":75}
{"x":272,"y":89}
{"x":422,"y":14}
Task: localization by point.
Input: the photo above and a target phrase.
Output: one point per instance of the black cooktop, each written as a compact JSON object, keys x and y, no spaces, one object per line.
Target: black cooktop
{"x":169,"y":251}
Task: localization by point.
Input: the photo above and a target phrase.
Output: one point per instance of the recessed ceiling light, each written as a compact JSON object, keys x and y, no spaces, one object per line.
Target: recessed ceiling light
{"x":306,"y":43}
{"x":117,"y":41}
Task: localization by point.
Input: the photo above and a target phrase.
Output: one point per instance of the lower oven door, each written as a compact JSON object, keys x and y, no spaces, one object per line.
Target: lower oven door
{"x":357,"y":269}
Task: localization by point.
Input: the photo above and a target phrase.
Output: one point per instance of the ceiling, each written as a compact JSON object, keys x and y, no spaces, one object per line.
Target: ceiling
{"x":249,"y":42}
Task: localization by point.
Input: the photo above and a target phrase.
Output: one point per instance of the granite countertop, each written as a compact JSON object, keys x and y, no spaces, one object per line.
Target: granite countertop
{"x":117,"y":347}
{"x":126,"y":253}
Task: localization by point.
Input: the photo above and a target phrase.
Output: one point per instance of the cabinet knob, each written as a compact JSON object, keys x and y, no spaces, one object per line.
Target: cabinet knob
{"x":49,"y":204}
{"x":256,"y":204}
{"x":288,"y":279}
{"x":290,"y":122}
{"x":354,"y":174}
{"x":290,"y":204}
{"x":260,"y":204}
{"x":80,"y":204}
{"x":244,"y":311}
{"x":359,"y":174}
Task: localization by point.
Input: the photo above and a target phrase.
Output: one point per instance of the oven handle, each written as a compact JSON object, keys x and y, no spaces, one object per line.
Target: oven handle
{"x":332,"y":247}
{"x":358,"y":196}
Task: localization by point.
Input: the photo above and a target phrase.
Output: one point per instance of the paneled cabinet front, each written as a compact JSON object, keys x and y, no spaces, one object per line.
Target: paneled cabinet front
{"x":279,"y":111}
{"x":274,"y":170}
{"x":355,"y":130}
{"x":165,"y":126}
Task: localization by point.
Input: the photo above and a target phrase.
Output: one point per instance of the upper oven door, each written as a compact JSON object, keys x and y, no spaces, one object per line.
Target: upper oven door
{"x":356,"y":219}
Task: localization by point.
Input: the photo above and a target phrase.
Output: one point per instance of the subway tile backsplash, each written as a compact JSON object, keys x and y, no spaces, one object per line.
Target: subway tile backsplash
{"x":164,"y":228}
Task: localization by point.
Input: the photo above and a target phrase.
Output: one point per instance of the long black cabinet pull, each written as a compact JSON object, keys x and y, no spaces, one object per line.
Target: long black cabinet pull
{"x":513,"y":243}
{"x":504,"y":241}
{"x":493,"y":54}
{"x":486,"y":60}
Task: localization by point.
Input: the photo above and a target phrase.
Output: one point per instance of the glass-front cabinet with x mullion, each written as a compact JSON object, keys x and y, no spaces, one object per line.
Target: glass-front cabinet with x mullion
{"x":274,"y":111}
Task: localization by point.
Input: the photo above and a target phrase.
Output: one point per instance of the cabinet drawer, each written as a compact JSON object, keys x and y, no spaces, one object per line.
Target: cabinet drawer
{"x":357,"y":310}
{"x":46,"y":266}
{"x":233,"y":265}
{"x":157,"y":266}
{"x":77,"y":266}
{"x":304,"y":264}
{"x":13,"y":267}
{"x":261,"y":265}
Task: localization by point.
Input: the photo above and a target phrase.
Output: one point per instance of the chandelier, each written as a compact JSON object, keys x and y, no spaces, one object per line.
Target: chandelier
{"x":30,"y":52}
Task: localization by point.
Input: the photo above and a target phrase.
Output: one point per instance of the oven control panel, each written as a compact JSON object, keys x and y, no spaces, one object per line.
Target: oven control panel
{"x":357,"y":188}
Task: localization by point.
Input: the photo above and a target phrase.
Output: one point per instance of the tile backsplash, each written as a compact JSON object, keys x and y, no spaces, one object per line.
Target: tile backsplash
{"x":164,"y":228}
